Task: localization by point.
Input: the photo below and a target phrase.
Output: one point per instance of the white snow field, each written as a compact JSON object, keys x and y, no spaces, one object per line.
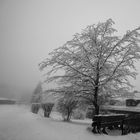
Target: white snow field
{"x":18,"y":123}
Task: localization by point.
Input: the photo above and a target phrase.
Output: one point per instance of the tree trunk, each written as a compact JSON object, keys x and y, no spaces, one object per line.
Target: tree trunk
{"x":68,"y":115}
{"x":96,"y":96}
{"x":68,"y":118}
{"x":96,"y":91}
{"x":96,"y":109}
{"x":96,"y":101}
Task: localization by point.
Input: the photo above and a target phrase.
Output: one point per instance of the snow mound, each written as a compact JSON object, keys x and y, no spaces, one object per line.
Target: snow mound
{"x":18,"y":123}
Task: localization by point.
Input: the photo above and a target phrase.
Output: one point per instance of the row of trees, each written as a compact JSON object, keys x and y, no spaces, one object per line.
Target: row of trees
{"x":96,"y":64}
{"x":66,"y":103}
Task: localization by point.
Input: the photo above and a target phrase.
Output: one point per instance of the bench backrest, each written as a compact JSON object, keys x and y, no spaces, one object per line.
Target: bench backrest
{"x":133,"y":120}
{"x":108,"y":118}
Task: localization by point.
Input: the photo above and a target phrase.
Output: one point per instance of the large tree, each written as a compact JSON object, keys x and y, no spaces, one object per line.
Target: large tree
{"x":96,"y":62}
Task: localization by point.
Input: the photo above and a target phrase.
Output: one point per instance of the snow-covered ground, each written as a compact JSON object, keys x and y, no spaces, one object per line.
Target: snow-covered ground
{"x":18,"y":123}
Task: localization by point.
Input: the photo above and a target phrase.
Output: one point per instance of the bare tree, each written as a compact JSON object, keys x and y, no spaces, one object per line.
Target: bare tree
{"x":67,"y":103}
{"x":96,"y":62}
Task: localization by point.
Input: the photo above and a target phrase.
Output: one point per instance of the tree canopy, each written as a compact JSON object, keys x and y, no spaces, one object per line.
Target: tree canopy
{"x":96,"y":62}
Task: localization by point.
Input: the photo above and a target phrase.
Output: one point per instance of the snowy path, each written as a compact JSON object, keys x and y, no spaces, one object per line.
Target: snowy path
{"x":17,"y":123}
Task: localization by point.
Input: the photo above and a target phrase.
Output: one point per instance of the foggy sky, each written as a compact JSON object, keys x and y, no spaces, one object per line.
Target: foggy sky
{"x":30,"y":29}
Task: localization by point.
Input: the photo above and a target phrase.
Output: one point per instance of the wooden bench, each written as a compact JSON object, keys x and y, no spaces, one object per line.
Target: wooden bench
{"x":101,"y":122}
{"x":132,"y":124}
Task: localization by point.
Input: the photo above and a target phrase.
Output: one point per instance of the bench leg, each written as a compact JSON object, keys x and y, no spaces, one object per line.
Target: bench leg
{"x":95,"y":130}
{"x":104,"y":131}
{"x":134,"y":130}
{"x":122,"y":129}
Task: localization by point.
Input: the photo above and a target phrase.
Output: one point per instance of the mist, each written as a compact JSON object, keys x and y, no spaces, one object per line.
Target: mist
{"x":30,"y":29}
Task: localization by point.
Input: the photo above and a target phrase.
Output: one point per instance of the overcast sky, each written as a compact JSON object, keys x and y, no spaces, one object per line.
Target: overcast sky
{"x":30,"y":29}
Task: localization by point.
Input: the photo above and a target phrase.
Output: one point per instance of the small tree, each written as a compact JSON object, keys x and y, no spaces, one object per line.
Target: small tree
{"x":96,"y":61}
{"x":47,"y":107}
{"x":66,"y":105}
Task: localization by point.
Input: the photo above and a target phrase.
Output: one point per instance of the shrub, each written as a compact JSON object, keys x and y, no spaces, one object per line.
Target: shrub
{"x":66,"y":105}
{"x":35,"y":107}
{"x":78,"y":114}
{"x":47,"y":107}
